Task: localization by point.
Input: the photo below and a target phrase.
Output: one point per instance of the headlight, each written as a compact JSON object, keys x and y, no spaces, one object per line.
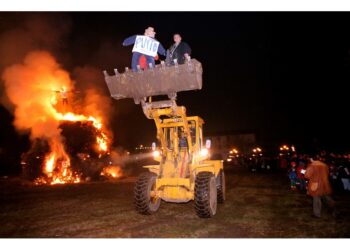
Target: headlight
{"x":156,"y":154}
{"x":204,"y":152}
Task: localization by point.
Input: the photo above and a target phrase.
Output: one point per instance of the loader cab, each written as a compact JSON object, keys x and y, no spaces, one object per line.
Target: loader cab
{"x":196,"y":128}
{"x":176,"y":136}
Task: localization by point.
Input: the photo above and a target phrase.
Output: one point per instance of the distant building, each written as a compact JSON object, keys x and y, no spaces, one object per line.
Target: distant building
{"x":223,"y":143}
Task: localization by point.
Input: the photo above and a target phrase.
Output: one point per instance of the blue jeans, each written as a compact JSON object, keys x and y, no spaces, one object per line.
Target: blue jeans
{"x":135,"y":60}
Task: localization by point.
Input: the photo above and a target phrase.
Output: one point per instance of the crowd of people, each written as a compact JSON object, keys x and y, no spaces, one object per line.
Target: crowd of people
{"x":318,"y":175}
{"x":338,"y":170}
{"x":295,"y":165}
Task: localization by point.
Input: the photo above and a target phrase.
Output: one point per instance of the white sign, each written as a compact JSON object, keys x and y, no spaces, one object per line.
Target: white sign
{"x":145,"y":45}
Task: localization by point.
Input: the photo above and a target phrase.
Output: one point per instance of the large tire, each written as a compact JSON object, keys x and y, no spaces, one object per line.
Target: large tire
{"x":221,"y":187}
{"x":144,"y":203}
{"x":205,"y":196}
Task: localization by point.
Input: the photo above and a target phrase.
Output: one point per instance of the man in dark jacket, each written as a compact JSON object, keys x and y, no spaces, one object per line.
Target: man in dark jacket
{"x":179,"y":51}
{"x":344,"y":175}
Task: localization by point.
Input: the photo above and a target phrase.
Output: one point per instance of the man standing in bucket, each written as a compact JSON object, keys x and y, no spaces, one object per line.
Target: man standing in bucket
{"x":179,"y":51}
{"x":145,"y":50}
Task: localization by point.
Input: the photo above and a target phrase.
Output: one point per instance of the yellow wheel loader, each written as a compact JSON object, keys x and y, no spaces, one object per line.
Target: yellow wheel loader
{"x":184,"y":172}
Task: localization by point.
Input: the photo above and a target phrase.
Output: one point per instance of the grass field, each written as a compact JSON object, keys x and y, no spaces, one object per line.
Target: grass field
{"x":258,"y":206}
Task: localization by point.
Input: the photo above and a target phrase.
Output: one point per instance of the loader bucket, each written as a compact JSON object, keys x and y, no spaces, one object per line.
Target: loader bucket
{"x":160,"y":80}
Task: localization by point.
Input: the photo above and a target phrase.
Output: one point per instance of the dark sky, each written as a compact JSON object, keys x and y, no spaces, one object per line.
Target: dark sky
{"x":282,"y":75}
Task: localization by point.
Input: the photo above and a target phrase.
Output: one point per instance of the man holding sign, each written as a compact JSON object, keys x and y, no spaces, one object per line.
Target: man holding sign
{"x":145,"y":47}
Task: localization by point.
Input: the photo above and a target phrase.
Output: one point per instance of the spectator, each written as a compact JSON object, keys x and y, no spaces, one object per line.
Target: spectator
{"x":319,"y":187}
{"x":283,"y":163}
{"x":333,"y":175}
{"x":293,"y":178}
{"x":344,"y":175}
{"x":300,"y":175}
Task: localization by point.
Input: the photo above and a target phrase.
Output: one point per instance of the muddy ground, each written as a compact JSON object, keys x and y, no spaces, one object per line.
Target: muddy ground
{"x":259,"y":205}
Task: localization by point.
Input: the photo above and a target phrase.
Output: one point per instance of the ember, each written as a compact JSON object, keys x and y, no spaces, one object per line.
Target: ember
{"x":112,"y":171}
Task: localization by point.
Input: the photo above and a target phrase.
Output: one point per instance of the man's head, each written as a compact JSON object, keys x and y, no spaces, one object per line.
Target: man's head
{"x":315,"y":157}
{"x":150,"y":32}
{"x":177,"y":38}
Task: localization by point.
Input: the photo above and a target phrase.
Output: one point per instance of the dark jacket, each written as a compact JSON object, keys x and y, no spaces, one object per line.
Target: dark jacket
{"x":344,"y":171}
{"x":292,"y":175}
{"x":179,"y":52}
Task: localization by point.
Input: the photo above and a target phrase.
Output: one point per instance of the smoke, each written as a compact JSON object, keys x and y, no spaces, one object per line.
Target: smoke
{"x":32,"y":31}
{"x":29,"y":73}
{"x":26,"y":32}
{"x":94,"y":97}
{"x":29,"y":86}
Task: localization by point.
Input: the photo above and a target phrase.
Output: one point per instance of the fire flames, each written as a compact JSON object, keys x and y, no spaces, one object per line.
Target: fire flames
{"x":112,"y":171}
{"x":40,"y":91}
{"x":57,"y":166}
{"x":101,"y":141}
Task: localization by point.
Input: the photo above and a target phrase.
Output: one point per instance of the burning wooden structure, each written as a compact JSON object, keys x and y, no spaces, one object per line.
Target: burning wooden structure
{"x":82,"y":158}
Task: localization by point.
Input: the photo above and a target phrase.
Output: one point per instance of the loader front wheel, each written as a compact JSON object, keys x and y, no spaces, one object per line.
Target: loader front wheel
{"x":205,"y":196}
{"x":221,"y":189}
{"x":144,"y":202}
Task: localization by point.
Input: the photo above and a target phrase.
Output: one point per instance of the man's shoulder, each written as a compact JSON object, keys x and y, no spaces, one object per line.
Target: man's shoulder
{"x":319,"y":164}
{"x":133,"y":36}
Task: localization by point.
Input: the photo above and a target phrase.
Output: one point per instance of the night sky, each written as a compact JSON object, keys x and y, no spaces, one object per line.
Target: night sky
{"x":281,"y":75}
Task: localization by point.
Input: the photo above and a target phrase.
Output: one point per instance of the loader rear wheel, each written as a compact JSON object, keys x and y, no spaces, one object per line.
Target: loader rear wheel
{"x":144,"y":202}
{"x":221,"y":189}
{"x":205,"y":196}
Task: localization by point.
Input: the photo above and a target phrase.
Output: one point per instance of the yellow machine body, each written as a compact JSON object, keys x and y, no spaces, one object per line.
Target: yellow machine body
{"x":179,"y":164}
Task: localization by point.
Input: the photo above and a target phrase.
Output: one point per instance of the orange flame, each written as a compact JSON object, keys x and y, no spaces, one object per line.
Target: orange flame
{"x":57,"y":163}
{"x":57,"y":166}
{"x":101,"y":141}
{"x":50,"y":164}
{"x":112,"y":171}
{"x":39,"y":89}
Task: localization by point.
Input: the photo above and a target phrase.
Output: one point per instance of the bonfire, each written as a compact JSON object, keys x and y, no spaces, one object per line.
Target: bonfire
{"x":72,"y":138}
